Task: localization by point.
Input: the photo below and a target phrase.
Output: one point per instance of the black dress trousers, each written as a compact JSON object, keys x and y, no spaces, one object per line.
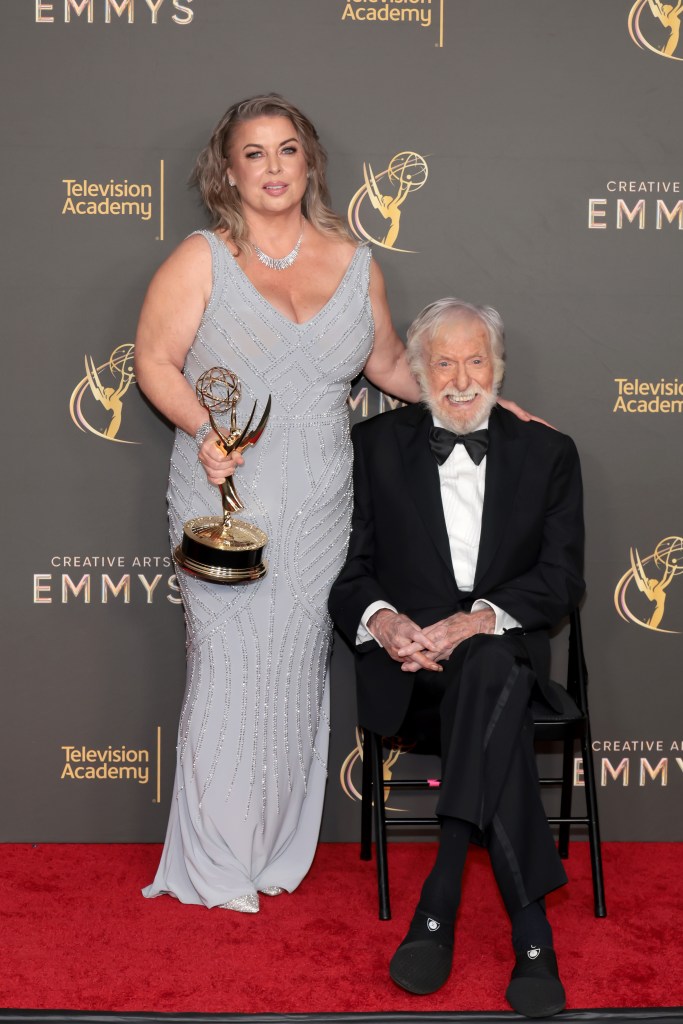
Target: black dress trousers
{"x":475,"y":714}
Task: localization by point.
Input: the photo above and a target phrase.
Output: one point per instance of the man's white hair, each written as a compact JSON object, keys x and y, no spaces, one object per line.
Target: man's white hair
{"x":426,"y":326}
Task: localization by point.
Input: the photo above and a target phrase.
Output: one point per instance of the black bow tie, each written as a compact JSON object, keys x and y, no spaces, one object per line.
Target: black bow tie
{"x":442,"y":442}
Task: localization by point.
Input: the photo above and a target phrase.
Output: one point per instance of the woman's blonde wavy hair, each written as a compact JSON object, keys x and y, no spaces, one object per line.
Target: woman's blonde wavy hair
{"x":223,"y":202}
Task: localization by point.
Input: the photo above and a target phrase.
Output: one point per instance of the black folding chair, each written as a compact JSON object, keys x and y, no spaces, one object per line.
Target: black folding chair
{"x":570,"y":724}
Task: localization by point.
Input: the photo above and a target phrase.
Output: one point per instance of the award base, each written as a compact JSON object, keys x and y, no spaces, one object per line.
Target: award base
{"x":218,"y":554}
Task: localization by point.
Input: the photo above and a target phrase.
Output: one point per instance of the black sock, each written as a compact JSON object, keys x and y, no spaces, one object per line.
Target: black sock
{"x":530,"y":927}
{"x":440,"y":894}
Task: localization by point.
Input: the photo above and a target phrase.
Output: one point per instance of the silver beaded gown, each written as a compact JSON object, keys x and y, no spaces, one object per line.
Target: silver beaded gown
{"x":253,"y":733}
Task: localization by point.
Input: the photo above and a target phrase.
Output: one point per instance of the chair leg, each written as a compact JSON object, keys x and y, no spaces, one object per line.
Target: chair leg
{"x":380,"y":828}
{"x":366,"y":801}
{"x":566,"y":796}
{"x":600,"y":908}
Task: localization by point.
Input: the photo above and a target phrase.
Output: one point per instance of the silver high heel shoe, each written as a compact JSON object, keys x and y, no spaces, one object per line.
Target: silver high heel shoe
{"x":272,"y":890}
{"x":248,"y":904}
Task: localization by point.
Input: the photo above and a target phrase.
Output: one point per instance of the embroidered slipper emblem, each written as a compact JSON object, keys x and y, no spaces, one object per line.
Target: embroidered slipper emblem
{"x":432,"y":924}
{"x":533,"y":952}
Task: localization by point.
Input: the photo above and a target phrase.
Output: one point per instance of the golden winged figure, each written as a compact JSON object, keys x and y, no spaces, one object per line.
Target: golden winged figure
{"x":111,"y":398}
{"x":670,"y":17}
{"x":389,"y":206}
{"x":654,"y":589}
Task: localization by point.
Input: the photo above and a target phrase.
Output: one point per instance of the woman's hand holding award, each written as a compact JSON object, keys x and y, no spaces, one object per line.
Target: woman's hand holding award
{"x":223,"y":549}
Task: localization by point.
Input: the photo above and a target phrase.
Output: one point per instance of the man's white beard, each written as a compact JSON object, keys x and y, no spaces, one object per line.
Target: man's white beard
{"x":459,"y":424}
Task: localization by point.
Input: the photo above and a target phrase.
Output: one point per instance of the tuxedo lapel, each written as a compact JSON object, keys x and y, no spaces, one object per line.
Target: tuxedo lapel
{"x":422,"y":479}
{"x":506,"y":453}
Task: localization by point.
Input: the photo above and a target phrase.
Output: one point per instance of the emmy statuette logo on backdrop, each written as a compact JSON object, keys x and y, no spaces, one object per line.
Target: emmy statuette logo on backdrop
{"x":387,"y":192}
{"x":354,"y":760}
{"x":652,"y":576}
{"x":656,"y":26}
{"x":105,"y":385}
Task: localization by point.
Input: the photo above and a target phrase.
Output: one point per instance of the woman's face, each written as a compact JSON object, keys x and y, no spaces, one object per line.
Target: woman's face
{"x":268,"y":165}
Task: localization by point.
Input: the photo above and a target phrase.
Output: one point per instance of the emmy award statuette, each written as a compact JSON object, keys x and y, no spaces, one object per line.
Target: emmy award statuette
{"x":220,"y":549}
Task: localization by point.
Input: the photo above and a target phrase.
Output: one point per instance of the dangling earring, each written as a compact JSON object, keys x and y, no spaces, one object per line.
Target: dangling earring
{"x":231,"y":183}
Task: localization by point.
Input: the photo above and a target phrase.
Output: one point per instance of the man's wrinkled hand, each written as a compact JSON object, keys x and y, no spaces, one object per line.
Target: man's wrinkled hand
{"x":396,"y":632}
{"x":447,"y":634}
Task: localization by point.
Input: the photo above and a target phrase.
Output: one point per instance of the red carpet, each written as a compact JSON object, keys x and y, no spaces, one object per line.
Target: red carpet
{"x":78,"y":935}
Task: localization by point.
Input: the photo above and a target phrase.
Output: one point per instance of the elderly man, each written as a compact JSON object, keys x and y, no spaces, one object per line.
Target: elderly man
{"x":466,"y":548}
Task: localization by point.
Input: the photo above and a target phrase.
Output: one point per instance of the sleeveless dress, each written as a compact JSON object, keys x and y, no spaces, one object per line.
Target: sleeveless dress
{"x":253,"y":733}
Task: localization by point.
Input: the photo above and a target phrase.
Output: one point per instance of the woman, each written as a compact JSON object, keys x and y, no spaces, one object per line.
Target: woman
{"x":279,"y":294}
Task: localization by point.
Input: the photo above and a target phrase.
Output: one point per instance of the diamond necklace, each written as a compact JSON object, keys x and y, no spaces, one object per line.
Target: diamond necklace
{"x":284,"y":262}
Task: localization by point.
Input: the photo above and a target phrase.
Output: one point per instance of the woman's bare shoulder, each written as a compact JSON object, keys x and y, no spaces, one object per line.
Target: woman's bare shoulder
{"x":192,"y":257}
{"x":186,"y":271}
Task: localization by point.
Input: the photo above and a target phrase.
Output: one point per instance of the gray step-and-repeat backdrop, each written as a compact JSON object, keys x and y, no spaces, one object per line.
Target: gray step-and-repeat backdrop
{"x":529,"y":157}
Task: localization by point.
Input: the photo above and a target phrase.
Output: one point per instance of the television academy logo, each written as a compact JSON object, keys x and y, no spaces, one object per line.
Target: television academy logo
{"x":651,"y":576}
{"x":121,"y":197}
{"x":386,"y":192}
{"x":418,"y":14}
{"x":413,"y":12}
{"x":656,"y":26}
{"x":114,"y":764}
{"x":106,"y":385}
{"x":635,"y":395}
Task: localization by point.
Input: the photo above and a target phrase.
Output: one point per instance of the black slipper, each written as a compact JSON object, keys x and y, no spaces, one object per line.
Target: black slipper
{"x":535,"y":989}
{"x":422,"y":963}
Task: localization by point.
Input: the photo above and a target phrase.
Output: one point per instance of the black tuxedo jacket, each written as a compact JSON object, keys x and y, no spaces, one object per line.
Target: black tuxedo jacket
{"x":530,"y":553}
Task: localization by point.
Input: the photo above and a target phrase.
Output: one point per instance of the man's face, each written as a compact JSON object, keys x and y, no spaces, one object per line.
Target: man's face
{"x":459,"y":371}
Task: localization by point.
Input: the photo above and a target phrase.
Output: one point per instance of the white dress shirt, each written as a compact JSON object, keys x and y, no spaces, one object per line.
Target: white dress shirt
{"x":462,"y":495}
